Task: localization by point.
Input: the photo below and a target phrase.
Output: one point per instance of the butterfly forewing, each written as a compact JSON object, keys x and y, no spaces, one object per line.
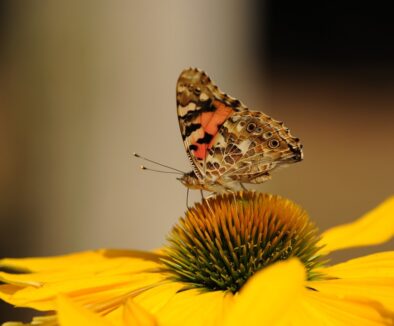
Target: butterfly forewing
{"x":202,"y":110}
{"x":225,"y":141}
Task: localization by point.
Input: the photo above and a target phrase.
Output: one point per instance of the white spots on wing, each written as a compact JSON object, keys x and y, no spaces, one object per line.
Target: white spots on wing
{"x":181,"y":88}
{"x":219,"y":141}
{"x":204,"y":97}
{"x":235,"y":118}
{"x":196,"y":135}
{"x":183,"y":110}
{"x":191,"y":106}
{"x":239,"y":127}
{"x":244,"y":145}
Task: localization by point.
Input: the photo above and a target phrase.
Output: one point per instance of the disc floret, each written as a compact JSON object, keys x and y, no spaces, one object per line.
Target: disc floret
{"x":224,"y":240}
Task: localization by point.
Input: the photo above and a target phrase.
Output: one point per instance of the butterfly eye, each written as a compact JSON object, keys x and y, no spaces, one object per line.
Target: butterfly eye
{"x":197,"y":91}
{"x":273,"y":143}
{"x":251,"y":126}
{"x":267,"y":135}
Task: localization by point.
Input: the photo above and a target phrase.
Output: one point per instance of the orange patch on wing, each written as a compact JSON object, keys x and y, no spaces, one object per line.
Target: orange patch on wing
{"x":211,"y":122}
{"x":201,"y":151}
{"x":219,"y":116}
{"x":206,"y":118}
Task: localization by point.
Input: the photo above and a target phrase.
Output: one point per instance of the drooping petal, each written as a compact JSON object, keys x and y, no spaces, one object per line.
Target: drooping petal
{"x":375,"y":227}
{"x":134,"y":314}
{"x":370,"y":277}
{"x":88,"y":278}
{"x":270,"y":296}
{"x":155,"y":298}
{"x":71,"y":314}
{"x":8,"y":290}
{"x":94,"y":290}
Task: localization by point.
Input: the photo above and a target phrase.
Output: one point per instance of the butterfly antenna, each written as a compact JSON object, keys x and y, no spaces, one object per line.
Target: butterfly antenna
{"x":157,"y":163}
{"x":143,"y":167}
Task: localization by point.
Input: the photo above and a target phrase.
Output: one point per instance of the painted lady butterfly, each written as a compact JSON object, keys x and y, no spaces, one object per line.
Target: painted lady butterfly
{"x":227,"y":143}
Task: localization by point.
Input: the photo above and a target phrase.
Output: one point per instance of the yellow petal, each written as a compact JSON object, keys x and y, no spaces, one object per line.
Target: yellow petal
{"x":70,"y":261}
{"x":369,"y":277}
{"x":93,"y":290}
{"x":158,"y":296}
{"x":318,"y":308}
{"x":270,"y":296}
{"x":38,"y":320}
{"x":134,"y":314}
{"x":45,"y":263}
{"x":89,"y":278}
{"x":375,"y":227}
{"x":8,"y":290}
{"x":70,"y":314}
{"x":376,"y":265}
{"x":107,"y":267}
{"x":193,"y":308}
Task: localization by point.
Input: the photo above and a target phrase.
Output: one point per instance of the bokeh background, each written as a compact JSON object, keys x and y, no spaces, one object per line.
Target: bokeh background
{"x":84,"y":84}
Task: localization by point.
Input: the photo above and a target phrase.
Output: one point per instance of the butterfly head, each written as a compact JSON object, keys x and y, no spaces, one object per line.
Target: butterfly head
{"x":190,"y":180}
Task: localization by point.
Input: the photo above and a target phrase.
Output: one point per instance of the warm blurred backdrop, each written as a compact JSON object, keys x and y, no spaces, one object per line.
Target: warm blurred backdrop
{"x":84,"y":84}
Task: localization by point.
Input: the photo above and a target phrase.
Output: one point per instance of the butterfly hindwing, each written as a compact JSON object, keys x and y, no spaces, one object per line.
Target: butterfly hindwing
{"x":249,"y":145}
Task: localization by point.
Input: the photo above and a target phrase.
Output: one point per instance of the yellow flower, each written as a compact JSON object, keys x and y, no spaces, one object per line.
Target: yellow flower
{"x":245,"y":258}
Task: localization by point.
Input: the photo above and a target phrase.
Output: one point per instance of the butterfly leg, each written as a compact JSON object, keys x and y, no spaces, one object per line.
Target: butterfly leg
{"x":235,"y":199}
{"x":207,"y":202}
{"x":202,"y":194}
{"x":187,"y":198}
{"x":243,"y":187}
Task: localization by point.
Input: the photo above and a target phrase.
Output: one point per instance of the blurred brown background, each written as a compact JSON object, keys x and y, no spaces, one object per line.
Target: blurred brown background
{"x":83,"y":84}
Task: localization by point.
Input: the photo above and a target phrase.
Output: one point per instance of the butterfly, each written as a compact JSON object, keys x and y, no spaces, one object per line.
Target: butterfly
{"x":226,"y":143}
